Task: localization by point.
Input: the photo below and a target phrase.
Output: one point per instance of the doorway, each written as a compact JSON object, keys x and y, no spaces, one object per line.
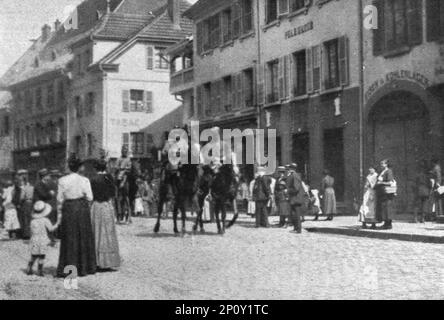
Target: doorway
{"x":334,"y":159}
{"x":301,"y":154}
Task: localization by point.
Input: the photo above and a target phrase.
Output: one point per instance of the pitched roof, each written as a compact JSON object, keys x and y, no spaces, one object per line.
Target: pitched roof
{"x":164,"y":28}
{"x":121,"y":26}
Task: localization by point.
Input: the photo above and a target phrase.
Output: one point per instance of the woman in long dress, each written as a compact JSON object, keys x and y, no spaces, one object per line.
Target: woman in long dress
{"x":102,"y":218}
{"x":367,"y":213}
{"x":77,"y":246}
{"x":328,"y":195}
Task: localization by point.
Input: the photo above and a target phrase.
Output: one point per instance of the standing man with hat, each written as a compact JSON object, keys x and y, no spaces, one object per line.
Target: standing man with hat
{"x":261,"y":196}
{"x":26,"y":202}
{"x":282,"y":198}
{"x":296,"y":195}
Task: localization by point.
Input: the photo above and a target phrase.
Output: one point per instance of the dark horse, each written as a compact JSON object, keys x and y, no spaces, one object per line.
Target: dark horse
{"x":180,"y":186}
{"x":224,"y":186}
{"x":126,"y":192}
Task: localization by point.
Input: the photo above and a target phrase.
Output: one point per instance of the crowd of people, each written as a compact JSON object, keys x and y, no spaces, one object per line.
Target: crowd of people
{"x":74,"y":209}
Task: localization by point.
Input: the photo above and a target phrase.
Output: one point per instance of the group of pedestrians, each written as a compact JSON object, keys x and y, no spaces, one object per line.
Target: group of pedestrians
{"x":292,"y":197}
{"x":79,"y":210}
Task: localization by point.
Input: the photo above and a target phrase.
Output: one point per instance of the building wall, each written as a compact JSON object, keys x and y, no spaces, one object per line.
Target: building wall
{"x":133,"y":74}
{"x":102,"y":48}
{"x":6,"y":141}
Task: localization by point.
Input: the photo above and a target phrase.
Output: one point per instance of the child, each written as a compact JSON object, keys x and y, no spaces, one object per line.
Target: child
{"x":138,"y":202}
{"x":40,"y":225}
{"x":12,"y":224}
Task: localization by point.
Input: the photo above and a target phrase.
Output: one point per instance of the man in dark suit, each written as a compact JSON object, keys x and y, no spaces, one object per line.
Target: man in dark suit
{"x":261,"y":196}
{"x":296,"y":193}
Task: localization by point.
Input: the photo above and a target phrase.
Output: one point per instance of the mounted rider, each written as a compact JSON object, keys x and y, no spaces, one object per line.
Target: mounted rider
{"x":123,"y":167}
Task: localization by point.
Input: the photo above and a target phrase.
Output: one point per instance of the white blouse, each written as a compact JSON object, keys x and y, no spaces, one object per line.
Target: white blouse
{"x":72,"y":187}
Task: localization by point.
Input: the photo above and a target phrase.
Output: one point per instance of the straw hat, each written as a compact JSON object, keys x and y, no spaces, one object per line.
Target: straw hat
{"x":41,"y":210}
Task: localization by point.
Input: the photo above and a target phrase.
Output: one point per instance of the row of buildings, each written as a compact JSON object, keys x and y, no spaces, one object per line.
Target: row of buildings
{"x":340,"y":94}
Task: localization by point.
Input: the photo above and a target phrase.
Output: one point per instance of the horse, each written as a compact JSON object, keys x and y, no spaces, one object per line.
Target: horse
{"x":126,"y":191}
{"x":181,"y":186}
{"x":224,"y":186}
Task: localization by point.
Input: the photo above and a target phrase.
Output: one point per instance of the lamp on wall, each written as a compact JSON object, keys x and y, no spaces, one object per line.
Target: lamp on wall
{"x":337,"y":102}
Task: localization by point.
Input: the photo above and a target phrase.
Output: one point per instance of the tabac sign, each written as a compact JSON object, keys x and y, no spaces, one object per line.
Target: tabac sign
{"x":417,"y":77}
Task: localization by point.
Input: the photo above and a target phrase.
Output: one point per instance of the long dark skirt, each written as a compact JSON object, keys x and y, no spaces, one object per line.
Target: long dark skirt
{"x":77,"y":247}
{"x":385,"y":208}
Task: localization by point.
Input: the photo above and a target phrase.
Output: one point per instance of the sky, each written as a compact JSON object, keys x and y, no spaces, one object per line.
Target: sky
{"x":22,"y":20}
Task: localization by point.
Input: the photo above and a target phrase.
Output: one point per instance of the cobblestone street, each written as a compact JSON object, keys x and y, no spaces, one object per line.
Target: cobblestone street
{"x":246,"y":263}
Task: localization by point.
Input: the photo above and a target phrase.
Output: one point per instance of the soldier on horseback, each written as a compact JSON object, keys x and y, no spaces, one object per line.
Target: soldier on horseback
{"x":123,"y":169}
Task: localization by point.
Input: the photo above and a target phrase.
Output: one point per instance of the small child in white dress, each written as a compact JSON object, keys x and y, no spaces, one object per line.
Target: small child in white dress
{"x":11,"y":224}
{"x":40,"y":225}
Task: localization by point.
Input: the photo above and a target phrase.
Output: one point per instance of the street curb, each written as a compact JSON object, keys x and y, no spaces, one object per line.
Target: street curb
{"x":378,"y":235}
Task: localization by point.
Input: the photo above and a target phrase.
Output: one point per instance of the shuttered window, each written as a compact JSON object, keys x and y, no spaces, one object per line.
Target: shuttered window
{"x":125,"y":141}
{"x":344,"y":61}
{"x":247,"y":16}
{"x":261,"y":84}
{"x":271,"y":10}
{"x":215,"y":34}
{"x":148,"y":102}
{"x":300,"y":73}
{"x":199,"y":100}
{"x":227,"y":99}
{"x":309,"y":70}
{"x":435,"y":20}
{"x":248,"y":88}
{"x":227,"y":25}
{"x":399,"y":25}
{"x":236,"y":12}
{"x":125,"y":100}
{"x":316,"y":63}
{"x":283,"y":7}
{"x":150,"y":57}
{"x":199,"y":37}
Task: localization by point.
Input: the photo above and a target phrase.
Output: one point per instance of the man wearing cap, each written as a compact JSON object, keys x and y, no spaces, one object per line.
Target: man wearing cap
{"x":261,"y":196}
{"x":296,"y":196}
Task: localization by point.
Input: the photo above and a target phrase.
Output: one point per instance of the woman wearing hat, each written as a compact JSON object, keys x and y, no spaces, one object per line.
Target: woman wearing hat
{"x":40,"y":226}
{"x":77,"y":247}
{"x":102,"y":218}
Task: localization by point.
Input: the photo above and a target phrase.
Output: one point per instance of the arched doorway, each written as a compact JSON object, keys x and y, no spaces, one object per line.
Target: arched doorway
{"x":400,"y":125}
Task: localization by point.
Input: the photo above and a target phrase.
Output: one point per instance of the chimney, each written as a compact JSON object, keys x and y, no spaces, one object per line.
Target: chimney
{"x":57,"y":25}
{"x":46,"y":32}
{"x":174,"y":12}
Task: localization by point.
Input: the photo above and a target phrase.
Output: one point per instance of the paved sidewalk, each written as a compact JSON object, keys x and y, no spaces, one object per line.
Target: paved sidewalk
{"x":404,"y":231}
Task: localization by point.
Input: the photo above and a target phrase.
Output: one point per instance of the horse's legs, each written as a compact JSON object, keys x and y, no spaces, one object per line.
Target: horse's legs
{"x":184,"y":214}
{"x":175,"y":213}
{"x":159,"y":213}
{"x":224,"y":215}
{"x":216,"y":213}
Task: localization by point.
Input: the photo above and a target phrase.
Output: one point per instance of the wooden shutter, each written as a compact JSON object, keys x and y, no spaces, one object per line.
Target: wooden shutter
{"x":282,"y":7}
{"x":309,"y":55}
{"x":217,"y":34}
{"x":199,"y":101}
{"x":260,"y":84}
{"x":344,"y":61}
{"x":125,"y":100}
{"x":234,"y":84}
{"x":433,"y":19}
{"x":316,"y":61}
{"x":148,"y":101}
{"x":199,"y":38}
{"x":240,"y":90}
{"x":150,"y":57}
{"x":281,"y":80}
{"x":379,"y":33}
{"x":287,"y":75}
{"x":236,"y":20}
{"x":414,"y":21}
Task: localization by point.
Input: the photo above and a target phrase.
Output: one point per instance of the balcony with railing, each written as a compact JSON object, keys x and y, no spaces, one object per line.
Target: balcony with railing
{"x":182,"y":80}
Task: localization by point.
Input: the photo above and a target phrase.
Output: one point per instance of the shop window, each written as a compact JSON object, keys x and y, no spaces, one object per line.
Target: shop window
{"x":399,"y":26}
{"x":137,"y":143}
{"x":435,"y":20}
{"x":300,"y":73}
